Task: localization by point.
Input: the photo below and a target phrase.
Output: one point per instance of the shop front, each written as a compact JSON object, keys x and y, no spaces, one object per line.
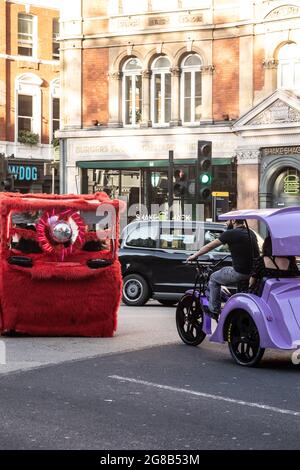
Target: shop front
{"x":144,"y":184}
{"x":33,"y":176}
{"x":280,"y":177}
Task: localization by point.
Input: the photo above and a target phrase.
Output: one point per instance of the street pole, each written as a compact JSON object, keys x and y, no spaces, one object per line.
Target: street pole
{"x":170,"y":183}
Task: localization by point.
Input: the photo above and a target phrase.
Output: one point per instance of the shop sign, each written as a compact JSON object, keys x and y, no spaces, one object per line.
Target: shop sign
{"x":291,"y":185}
{"x":24,"y":172}
{"x":281,"y":150}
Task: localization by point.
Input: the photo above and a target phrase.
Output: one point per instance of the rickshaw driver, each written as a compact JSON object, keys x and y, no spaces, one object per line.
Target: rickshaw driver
{"x":243,"y":252}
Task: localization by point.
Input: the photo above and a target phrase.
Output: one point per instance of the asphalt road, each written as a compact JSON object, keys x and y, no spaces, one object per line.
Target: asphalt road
{"x":159,"y":396}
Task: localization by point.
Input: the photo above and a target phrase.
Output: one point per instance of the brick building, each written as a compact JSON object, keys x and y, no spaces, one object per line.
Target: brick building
{"x":142,"y":78}
{"x":29,"y":89}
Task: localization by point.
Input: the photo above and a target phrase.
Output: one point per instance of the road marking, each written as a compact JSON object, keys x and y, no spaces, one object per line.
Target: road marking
{"x":207,"y":395}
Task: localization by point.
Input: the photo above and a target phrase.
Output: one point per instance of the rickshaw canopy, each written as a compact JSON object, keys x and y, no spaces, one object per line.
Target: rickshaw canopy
{"x":283,"y":225}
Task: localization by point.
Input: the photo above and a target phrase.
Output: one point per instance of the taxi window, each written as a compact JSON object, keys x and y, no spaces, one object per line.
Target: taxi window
{"x":143,"y":236}
{"x":213,"y":234}
{"x":179,"y":239}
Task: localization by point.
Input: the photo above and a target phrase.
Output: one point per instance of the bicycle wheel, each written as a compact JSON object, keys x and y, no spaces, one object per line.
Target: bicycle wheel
{"x":243,"y":340}
{"x":189,"y":320}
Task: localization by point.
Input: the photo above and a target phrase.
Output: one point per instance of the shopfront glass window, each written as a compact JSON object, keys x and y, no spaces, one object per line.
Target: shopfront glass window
{"x":289,"y":67}
{"x":132,"y":92}
{"x":191,"y":89}
{"x":25,"y":34}
{"x":161,"y":91}
{"x":25,"y":115}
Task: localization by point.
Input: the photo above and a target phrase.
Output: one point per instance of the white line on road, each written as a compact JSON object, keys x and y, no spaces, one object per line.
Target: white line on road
{"x":207,"y":395}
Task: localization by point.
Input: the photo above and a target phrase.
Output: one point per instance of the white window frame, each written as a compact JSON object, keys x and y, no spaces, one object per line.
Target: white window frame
{"x":190,"y":69}
{"x":34,"y":35}
{"x":29,"y":84}
{"x":133,"y":74}
{"x":163,"y":71}
{"x":291,"y":63}
{"x":54,"y":93}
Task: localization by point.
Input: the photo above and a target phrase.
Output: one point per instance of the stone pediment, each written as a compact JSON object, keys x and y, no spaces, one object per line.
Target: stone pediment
{"x":281,"y":109}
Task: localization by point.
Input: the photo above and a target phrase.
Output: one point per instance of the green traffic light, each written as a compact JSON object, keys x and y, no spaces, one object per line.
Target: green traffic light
{"x":205,"y":178}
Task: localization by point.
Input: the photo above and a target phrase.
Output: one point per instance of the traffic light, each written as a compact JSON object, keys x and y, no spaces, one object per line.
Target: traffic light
{"x":204,"y":175}
{"x":180,"y":185}
{"x":6,"y":178}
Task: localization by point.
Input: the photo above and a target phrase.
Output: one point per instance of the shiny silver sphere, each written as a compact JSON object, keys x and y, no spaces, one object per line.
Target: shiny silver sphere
{"x":61,"y":232}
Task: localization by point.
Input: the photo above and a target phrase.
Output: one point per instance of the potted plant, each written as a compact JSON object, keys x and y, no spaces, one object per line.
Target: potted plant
{"x":28,"y":137}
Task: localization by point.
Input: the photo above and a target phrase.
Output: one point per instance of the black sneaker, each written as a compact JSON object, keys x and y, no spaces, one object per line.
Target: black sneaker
{"x":213,"y":315}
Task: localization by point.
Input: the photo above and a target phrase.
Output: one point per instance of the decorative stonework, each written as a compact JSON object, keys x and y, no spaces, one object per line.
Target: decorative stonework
{"x":115,"y":75}
{"x":175,"y":71}
{"x":209,"y":69}
{"x":146,"y":74}
{"x":283,"y":12}
{"x":248,"y":157}
{"x":278,"y":113}
{"x":270,"y":63}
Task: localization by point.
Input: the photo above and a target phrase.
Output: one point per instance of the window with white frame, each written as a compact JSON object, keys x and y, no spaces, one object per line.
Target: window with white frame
{"x":28,"y":104}
{"x":25,"y":113}
{"x":191,"y":89}
{"x":289,"y":67}
{"x":55,"y":35}
{"x":26,"y":34}
{"x":132,"y":92}
{"x":161,"y":91}
{"x":54,"y":108}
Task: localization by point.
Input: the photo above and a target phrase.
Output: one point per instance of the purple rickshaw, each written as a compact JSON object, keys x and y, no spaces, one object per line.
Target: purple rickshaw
{"x":250,"y":323}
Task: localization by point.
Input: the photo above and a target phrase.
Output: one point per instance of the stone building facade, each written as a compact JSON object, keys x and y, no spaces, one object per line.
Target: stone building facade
{"x":29,"y":89}
{"x":142,"y":78}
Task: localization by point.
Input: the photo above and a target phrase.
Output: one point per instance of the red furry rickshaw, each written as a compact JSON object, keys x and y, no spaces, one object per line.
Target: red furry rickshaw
{"x":59,"y":269}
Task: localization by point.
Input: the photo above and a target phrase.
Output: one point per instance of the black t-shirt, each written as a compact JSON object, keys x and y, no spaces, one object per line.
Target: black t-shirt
{"x":240,"y":247}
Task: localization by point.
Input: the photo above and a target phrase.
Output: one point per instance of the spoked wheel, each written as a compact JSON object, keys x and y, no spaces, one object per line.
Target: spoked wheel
{"x":189,"y":320}
{"x":243,"y":340}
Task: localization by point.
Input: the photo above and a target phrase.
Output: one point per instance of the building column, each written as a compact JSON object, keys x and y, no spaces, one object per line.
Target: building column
{"x":270,"y":66}
{"x":146,"y":119}
{"x":248,"y":178}
{"x":114,"y":99}
{"x":207,"y":96}
{"x":175,"y":101}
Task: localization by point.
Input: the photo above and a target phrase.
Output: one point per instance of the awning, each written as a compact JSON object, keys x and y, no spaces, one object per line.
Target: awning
{"x":128,"y":164}
{"x":283,"y":225}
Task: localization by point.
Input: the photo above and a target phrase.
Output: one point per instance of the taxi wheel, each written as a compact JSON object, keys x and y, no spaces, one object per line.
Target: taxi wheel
{"x":189,"y":320}
{"x":135,"y":290}
{"x":243,"y":340}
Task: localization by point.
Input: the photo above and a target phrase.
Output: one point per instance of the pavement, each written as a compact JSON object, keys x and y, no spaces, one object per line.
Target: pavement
{"x":138,"y":328}
{"x":144,"y":389}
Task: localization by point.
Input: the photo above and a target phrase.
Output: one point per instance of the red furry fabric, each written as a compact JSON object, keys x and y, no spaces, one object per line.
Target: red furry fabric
{"x":57,"y":298}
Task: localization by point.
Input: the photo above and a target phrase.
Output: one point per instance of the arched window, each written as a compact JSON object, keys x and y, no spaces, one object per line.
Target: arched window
{"x":28,"y":104}
{"x":191,"y":89}
{"x":132,"y":92}
{"x":161,"y":91}
{"x":289,"y":67}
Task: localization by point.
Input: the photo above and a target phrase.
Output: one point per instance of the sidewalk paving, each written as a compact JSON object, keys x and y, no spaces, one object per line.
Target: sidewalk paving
{"x":138,"y":328}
